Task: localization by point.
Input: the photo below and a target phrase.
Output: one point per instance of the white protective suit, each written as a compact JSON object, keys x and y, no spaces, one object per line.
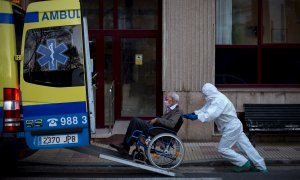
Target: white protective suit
{"x":218,"y":108}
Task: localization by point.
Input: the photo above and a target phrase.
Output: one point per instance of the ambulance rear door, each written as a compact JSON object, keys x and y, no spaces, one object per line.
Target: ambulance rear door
{"x":52,"y":76}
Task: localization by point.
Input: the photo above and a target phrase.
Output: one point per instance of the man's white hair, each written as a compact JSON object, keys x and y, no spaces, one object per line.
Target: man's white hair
{"x":174,"y":95}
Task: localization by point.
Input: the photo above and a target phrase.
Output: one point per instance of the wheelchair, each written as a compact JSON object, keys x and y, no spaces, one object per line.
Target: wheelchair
{"x":158,"y":146}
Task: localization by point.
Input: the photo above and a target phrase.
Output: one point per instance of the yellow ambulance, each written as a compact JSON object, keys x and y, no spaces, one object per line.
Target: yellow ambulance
{"x":43,"y":95}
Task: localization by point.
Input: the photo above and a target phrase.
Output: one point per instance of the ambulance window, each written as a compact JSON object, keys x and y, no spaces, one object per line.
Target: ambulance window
{"x":19,"y":22}
{"x":54,"y":56}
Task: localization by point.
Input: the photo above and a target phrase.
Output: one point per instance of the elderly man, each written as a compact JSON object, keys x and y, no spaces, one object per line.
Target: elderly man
{"x":168,"y":120}
{"x":219,"y":109}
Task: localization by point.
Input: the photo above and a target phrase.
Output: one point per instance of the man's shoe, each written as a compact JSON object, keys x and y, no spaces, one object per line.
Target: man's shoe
{"x":245,"y":167}
{"x":254,"y":169}
{"x":120,"y":148}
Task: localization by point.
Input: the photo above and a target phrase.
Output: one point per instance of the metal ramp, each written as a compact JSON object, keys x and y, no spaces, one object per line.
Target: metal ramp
{"x":116,"y":157}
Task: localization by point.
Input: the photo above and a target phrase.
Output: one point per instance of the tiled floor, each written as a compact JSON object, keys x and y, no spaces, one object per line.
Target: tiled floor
{"x":195,"y":152}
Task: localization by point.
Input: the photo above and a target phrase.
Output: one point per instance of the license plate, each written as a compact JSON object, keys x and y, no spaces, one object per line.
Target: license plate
{"x":58,"y":139}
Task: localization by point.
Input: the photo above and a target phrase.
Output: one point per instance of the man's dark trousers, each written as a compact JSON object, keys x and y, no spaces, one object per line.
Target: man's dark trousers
{"x":135,"y":124}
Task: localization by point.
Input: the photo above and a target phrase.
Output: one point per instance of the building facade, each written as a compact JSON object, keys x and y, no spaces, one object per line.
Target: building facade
{"x":248,"y":48}
{"x":142,"y":49}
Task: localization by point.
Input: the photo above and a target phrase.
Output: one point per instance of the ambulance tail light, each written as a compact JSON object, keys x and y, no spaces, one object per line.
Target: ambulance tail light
{"x":11,"y":110}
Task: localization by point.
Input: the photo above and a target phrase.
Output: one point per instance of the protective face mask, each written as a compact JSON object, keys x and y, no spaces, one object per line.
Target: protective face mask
{"x":167,"y":104}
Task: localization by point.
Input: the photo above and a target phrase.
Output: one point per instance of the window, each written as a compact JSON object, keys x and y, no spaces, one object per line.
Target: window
{"x":281,"y":65}
{"x":121,"y":14}
{"x":137,"y":14}
{"x":258,"y":42}
{"x":90,"y":9}
{"x":236,"y":21}
{"x":54,"y":56}
{"x":236,"y":66}
{"x":281,"y":21}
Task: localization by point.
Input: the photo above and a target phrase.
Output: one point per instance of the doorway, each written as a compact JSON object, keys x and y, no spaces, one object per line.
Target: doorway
{"x":125,"y":38}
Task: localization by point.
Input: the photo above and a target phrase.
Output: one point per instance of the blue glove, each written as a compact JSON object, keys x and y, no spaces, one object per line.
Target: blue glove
{"x":187,"y":115}
{"x":191,"y":116}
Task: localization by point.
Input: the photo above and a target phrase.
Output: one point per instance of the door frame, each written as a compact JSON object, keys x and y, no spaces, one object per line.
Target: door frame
{"x":116,"y":63}
{"x":117,"y":35}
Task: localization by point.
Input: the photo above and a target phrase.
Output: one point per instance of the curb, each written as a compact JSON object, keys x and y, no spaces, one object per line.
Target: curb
{"x":223,"y":162}
{"x":209,"y":163}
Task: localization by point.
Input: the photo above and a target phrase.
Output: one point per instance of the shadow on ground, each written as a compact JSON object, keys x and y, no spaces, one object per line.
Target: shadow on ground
{"x":114,"y":139}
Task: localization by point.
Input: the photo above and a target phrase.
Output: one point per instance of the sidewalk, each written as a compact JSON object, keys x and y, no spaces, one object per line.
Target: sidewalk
{"x":196,"y":154}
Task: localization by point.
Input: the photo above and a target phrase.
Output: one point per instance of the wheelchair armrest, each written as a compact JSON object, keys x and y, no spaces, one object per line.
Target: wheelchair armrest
{"x":153,"y":131}
{"x":160,"y":129}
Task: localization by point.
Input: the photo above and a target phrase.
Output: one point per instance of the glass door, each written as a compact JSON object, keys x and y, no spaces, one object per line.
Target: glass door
{"x":138,"y":77}
{"x":127,"y":81}
{"x":109,"y":83}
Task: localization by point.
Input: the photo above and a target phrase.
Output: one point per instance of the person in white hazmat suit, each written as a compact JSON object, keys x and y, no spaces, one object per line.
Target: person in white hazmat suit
{"x":218,"y":108}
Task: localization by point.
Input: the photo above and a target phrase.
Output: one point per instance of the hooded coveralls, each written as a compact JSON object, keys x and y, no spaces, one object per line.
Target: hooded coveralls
{"x":218,"y":108}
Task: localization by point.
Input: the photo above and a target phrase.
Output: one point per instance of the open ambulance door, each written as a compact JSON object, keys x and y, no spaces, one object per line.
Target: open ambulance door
{"x":52,"y":76}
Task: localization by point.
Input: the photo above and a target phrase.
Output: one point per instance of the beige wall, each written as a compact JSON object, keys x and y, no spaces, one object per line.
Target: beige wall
{"x":188,"y":56}
{"x":262,"y":96}
{"x":188,"y":44}
{"x":189,"y":62}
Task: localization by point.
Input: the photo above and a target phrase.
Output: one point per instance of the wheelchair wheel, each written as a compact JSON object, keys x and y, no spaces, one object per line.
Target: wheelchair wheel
{"x":165,"y":151}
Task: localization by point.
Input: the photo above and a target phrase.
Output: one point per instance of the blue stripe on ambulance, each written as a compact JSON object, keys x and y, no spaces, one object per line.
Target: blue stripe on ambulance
{"x":51,"y":118}
{"x":57,"y":108}
{"x":31,"y":17}
{"x":6,"y":18}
